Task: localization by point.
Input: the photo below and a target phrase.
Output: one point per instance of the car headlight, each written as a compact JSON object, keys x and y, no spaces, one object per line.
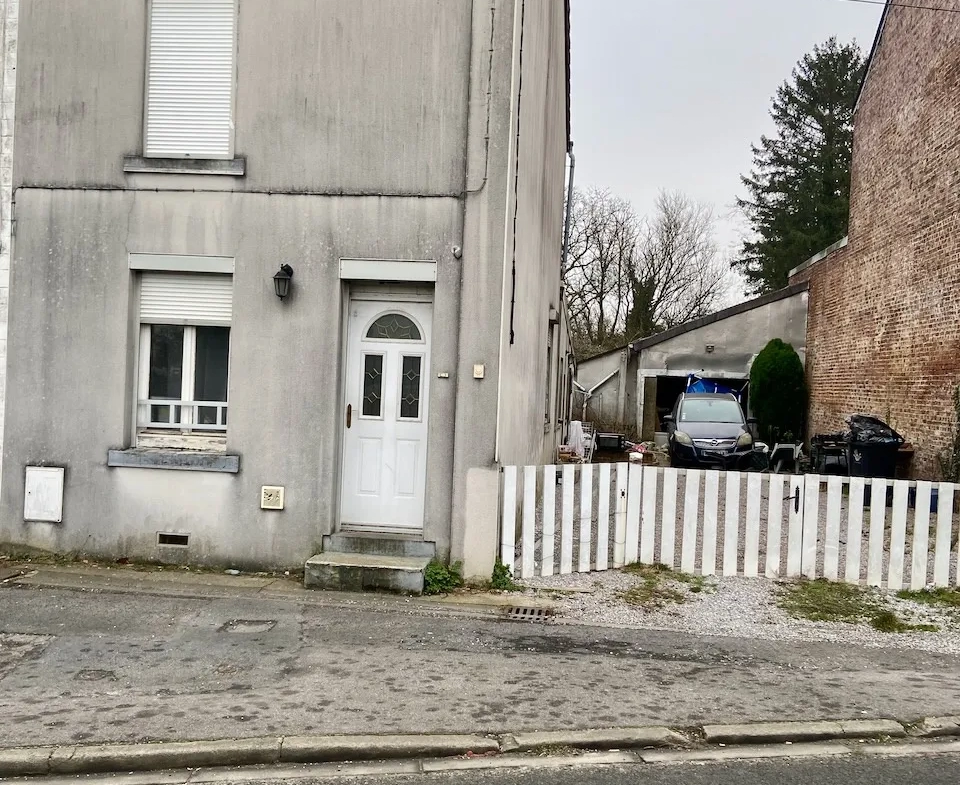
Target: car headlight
{"x":683,"y":438}
{"x":745,"y":440}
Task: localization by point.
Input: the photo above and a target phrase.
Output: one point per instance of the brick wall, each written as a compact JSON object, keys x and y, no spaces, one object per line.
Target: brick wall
{"x":884,"y":312}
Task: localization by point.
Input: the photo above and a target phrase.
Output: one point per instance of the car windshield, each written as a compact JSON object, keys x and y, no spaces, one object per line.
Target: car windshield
{"x":707,"y":410}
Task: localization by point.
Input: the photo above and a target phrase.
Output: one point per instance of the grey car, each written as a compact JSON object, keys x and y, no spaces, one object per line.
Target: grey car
{"x":709,"y":430}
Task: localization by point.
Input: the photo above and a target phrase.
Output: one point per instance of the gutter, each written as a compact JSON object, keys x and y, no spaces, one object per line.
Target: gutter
{"x":588,"y":394}
{"x":566,"y":218}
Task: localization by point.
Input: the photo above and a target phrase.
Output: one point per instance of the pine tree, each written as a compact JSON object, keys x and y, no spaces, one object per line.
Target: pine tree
{"x":799,"y":188}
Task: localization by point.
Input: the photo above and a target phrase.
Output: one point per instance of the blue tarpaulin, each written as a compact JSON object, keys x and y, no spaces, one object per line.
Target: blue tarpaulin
{"x":696,"y":384}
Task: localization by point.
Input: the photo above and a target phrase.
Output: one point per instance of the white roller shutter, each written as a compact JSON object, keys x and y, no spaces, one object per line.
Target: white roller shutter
{"x":189,"y":105}
{"x":185,"y":298}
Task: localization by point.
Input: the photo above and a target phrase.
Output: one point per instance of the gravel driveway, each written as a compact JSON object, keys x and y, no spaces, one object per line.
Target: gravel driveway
{"x":737,"y":607}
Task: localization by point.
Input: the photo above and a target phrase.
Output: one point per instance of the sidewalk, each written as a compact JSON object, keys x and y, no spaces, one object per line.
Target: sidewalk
{"x":89,"y":655}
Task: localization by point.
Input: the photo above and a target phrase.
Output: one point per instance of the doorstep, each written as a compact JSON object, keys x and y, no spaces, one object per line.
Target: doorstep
{"x":365,"y":572}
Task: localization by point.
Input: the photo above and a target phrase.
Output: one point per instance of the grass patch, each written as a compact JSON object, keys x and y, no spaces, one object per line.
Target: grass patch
{"x":888,"y":621}
{"x":822,"y":600}
{"x":661,"y":586}
{"x":942,"y":597}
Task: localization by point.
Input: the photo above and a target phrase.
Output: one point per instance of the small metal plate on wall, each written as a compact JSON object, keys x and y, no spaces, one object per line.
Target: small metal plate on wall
{"x":271,"y":497}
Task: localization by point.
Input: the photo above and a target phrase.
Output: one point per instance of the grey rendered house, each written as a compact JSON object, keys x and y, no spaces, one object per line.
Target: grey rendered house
{"x":394,"y":168}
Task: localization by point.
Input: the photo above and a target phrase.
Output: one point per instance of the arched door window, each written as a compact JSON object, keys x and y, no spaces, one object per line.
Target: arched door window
{"x":393,"y":327}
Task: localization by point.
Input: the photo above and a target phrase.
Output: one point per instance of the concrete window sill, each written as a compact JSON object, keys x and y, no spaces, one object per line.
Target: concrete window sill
{"x":133,"y":164}
{"x":180,"y":460}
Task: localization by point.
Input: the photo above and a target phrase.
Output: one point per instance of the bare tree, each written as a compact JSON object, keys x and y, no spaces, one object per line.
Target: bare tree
{"x":628,"y":277}
{"x":678,"y":274}
{"x":604,"y":237}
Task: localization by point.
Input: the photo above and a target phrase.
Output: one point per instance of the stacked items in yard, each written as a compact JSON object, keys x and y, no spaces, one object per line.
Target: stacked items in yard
{"x":649,"y":454}
{"x":868,"y":448}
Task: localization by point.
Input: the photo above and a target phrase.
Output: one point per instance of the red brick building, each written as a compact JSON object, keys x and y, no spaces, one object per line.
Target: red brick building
{"x":883,"y":329}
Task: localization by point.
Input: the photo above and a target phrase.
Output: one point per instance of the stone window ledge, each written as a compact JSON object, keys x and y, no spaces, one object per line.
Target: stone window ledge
{"x":133,"y":164}
{"x":181,"y":460}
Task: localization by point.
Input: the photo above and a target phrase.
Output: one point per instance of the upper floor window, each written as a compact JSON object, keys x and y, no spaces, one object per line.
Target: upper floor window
{"x":190,"y":79}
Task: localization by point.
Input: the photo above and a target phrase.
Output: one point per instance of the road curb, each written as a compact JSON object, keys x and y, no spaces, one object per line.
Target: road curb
{"x":931,"y":727}
{"x":273,"y":750}
{"x":774,"y":732}
{"x":330,"y":749}
{"x":104,"y":758}
{"x":603,"y":739}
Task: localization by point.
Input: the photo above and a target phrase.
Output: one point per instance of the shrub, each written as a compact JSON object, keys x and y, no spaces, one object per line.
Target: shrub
{"x":501,"y":579}
{"x":439,"y":578}
{"x":778,"y":392}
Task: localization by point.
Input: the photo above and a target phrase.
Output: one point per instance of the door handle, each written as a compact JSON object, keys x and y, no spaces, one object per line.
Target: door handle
{"x":349,"y":414}
{"x":795,"y":497}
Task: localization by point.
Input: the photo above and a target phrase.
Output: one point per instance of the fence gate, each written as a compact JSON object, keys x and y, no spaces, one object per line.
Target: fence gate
{"x":581,"y":518}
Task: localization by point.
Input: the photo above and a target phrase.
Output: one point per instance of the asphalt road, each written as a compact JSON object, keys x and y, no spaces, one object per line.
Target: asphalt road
{"x":87,"y":667}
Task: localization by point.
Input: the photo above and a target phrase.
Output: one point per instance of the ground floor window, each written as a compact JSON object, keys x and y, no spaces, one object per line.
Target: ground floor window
{"x":182,"y":386}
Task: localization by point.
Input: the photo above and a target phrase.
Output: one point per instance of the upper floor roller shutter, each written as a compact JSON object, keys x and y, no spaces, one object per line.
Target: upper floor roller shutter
{"x":190,"y":79}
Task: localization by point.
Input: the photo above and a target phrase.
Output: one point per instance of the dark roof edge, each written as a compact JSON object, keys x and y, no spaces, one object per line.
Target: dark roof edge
{"x":719,"y":316}
{"x":873,"y":53}
{"x":605,"y":353}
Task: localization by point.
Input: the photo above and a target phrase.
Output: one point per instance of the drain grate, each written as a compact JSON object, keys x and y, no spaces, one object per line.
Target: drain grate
{"x":520,"y":613}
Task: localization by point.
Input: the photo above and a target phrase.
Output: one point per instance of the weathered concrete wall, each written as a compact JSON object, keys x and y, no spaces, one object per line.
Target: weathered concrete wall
{"x":370,"y":129}
{"x":534,"y":234}
{"x":365,"y":96}
{"x":9,"y":13}
{"x":736,"y":340}
{"x":71,"y":358}
{"x":482,"y":266}
{"x":605,"y":401}
{"x":884,"y":329}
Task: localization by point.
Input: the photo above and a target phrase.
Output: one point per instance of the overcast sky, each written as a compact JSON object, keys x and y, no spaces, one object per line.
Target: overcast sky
{"x":671,"y":93}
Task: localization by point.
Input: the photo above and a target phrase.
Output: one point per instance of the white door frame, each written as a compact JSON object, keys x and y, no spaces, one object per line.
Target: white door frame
{"x":398,"y":293}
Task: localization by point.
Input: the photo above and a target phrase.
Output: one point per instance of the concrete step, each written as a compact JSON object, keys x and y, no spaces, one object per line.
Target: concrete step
{"x":365,"y":572}
{"x":378,"y":545}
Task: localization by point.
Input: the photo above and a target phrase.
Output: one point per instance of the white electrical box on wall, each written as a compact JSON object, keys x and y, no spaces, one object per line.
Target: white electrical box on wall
{"x":43,"y":494}
{"x":271,"y":497}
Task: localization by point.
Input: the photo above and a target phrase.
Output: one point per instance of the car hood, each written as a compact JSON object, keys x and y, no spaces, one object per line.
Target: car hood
{"x":712,"y":430}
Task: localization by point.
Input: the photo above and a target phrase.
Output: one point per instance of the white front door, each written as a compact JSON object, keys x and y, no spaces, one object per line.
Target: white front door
{"x":384,"y":468}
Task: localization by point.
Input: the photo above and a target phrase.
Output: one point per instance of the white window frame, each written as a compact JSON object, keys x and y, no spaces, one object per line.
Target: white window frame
{"x":233,"y":92}
{"x":383,"y":384}
{"x":423,"y":361}
{"x":187,"y":434}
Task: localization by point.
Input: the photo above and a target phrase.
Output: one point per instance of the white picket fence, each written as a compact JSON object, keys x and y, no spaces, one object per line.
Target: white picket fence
{"x":581,"y":518}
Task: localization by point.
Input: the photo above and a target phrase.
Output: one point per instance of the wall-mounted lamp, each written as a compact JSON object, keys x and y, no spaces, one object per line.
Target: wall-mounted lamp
{"x":281,"y":280}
